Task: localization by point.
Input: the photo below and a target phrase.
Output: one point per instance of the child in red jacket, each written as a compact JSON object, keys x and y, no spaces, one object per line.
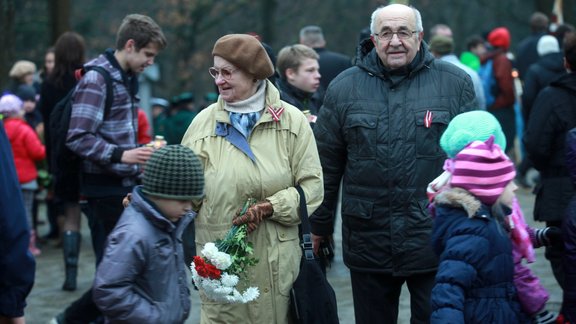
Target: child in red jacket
{"x":27,"y":150}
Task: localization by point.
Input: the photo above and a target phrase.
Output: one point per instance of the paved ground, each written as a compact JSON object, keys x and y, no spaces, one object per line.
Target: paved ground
{"x":47,"y":298}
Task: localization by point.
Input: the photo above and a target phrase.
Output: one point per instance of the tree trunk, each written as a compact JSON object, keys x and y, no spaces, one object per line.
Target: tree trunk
{"x":60,"y":15}
{"x":7,"y":13}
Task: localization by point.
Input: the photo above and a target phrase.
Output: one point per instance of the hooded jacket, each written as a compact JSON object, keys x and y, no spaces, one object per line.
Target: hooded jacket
{"x":373,"y":134}
{"x":474,"y":283}
{"x":552,"y":116}
{"x":540,"y":74}
{"x":142,"y":276}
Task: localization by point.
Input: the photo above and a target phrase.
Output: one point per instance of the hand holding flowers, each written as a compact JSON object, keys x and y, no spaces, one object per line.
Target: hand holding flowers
{"x":217,"y":272}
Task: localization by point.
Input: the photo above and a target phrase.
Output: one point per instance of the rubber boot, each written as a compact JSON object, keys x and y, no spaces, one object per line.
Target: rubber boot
{"x":32,"y":244}
{"x":71,"y":248}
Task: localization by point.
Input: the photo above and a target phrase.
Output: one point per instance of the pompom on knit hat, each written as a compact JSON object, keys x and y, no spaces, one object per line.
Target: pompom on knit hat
{"x":246,"y":53}
{"x":22,"y":68}
{"x":174,"y":172}
{"x":483,"y":169}
{"x":477,"y":125}
{"x":499,"y":37}
{"x":10,"y":104}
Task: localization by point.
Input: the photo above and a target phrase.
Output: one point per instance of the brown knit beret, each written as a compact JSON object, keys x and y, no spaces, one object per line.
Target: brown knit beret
{"x":246,"y":53}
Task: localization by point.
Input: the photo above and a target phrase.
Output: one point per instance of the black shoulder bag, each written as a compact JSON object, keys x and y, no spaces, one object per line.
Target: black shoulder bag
{"x":312,"y":298}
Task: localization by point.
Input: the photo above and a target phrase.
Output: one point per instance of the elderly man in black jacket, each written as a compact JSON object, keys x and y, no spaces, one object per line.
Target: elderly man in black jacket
{"x":379,"y":132}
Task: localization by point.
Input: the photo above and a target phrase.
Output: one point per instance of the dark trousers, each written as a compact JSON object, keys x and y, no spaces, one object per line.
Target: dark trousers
{"x":102,"y":214}
{"x":555,"y":254}
{"x":376,"y":297}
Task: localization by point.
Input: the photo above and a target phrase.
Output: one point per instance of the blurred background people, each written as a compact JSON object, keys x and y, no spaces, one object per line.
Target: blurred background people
{"x":70,"y":55}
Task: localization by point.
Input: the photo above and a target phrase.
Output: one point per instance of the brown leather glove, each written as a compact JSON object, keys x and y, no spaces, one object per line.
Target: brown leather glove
{"x":254,"y":215}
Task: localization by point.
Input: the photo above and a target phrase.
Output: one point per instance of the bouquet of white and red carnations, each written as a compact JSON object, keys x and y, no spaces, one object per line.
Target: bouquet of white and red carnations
{"x":221,"y":265}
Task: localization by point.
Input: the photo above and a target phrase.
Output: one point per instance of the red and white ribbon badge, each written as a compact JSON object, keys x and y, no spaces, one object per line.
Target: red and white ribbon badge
{"x":276,"y":113}
{"x":428,"y":119}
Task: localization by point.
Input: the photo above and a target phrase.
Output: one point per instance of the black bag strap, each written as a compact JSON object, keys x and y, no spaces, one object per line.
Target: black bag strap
{"x":304,"y":227}
{"x":109,"y":85}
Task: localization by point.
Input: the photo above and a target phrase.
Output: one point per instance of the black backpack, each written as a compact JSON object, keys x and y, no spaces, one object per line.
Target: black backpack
{"x":63,"y":159}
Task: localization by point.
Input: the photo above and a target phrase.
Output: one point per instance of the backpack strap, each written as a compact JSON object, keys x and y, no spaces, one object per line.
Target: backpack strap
{"x":107,"y":78}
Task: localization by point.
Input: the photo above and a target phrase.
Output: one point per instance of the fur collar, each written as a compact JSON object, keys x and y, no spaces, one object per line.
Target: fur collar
{"x":458,"y":197}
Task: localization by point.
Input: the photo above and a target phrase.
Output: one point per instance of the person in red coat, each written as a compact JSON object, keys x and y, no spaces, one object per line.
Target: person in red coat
{"x":144,"y":136}
{"x":27,"y":150}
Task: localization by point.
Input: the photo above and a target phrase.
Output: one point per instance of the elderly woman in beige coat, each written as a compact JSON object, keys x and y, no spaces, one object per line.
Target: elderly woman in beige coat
{"x":252,"y":144}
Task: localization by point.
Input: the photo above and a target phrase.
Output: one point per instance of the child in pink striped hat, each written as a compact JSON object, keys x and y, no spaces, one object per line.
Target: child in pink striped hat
{"x":475,"y":278}
{"x":481,"y":125}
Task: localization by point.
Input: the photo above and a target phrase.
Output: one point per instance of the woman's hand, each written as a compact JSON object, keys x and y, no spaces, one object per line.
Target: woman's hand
{"x":254,"y":215}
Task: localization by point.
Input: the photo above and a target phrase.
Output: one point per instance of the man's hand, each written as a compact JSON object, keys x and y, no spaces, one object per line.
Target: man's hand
{"x":254,"y":215}
{"x":137,"y":155}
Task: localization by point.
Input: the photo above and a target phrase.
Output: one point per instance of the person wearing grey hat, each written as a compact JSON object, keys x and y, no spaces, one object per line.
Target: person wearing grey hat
{"x":254,"y":145}
{"x":140,"y":277}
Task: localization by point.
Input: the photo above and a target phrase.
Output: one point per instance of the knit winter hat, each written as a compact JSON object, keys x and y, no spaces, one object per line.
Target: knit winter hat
{"x":483,"y":169}
{"x":10,"y":104}
{"x":21,"y":68}
{"x":174,"y":172}
{"x":477,"y":125}
{"x":547,"y":44}
{"x":26,"y":92}
{"x":499,"y":37}
{"x":246,"y":53}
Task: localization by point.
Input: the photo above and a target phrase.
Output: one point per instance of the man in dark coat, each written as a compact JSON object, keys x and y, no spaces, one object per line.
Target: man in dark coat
{"x":331,"y":63}
{"x":379,"y":132}
{"x":548,"y":68}
{"x":526,"y":53}
{"x":569,"y":231}
{"x":17,"y":265}
{"x":552,"y":116}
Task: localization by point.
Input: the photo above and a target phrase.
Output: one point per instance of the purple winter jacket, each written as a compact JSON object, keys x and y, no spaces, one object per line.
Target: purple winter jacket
{"x":569,"y":235}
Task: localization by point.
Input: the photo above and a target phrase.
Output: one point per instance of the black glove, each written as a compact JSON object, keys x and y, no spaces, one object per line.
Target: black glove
{"x":549,"y":236}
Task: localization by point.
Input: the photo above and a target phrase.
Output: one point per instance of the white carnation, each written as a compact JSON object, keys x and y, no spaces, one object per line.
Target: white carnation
{"x":221,"y":260}
{"x":209,"y":250}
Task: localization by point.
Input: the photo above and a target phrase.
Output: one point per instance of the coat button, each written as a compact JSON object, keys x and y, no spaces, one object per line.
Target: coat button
{"x":266,"y":290}
{"x":282,"y":235}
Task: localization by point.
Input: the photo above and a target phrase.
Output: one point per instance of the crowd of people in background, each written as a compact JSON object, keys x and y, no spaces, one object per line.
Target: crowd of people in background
{"x":384,"y":126}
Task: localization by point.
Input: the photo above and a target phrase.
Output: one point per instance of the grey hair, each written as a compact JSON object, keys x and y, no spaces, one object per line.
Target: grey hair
{"x":417,"y":18}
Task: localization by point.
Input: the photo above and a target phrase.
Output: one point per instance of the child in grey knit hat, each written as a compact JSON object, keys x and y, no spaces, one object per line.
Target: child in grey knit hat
{"x":142,"y":276}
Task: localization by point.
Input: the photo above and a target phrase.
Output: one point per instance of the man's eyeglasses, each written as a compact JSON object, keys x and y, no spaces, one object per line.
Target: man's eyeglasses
{"x":387,"y":35}
{"x":225,"y":73}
